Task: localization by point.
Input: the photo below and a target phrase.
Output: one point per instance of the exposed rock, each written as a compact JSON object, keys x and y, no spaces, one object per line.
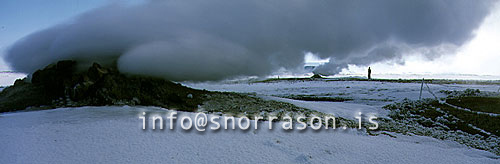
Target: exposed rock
{"x":61,"y":85}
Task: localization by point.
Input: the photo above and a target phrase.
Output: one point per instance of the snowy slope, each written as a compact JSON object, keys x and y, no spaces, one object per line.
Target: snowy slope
{"x":114,"y":134}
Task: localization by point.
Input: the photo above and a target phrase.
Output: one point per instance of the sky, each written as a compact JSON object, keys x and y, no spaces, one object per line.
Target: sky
{"x":479,"y":55}
{"x":19,"y":18}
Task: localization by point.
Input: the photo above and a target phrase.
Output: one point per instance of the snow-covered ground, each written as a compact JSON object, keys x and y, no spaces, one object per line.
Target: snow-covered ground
{"x":115,"y":135}
{"x":340,"y":109}
{"x":358,"y":90}
{"x":368,"y":96}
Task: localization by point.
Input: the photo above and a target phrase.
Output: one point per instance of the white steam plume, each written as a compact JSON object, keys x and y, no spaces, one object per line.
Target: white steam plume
{"x":211,"y":40}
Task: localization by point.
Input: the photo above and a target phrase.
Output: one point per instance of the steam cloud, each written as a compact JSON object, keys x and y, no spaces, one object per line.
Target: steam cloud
{"x":217,"y":39}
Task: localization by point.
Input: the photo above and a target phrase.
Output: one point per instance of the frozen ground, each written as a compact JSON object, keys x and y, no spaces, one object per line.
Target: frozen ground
{"x":368,"y":96}
{"x":364,"y":92}
{"x":114,"y":135}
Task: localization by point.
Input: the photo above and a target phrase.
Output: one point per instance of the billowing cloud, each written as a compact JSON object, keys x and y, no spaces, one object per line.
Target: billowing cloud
{"x":212,"y":40}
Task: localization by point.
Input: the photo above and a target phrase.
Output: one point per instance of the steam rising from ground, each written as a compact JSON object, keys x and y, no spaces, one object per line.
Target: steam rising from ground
{"x":212,"y":40}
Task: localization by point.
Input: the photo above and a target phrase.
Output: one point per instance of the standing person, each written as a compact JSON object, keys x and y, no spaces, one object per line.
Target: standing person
{"x":369,"y":73}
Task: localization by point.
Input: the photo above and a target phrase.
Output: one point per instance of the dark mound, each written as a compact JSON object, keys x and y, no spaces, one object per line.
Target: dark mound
{"x":61,"y":85}
{"x":477,"y":103}
{"x":316,"y":76}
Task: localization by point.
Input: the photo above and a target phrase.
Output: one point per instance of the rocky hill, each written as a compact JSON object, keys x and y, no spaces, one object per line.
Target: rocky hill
{"x":62,"y":85}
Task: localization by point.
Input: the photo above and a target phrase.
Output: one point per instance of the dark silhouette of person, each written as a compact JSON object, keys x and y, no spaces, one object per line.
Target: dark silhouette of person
{"x":369,"y":73}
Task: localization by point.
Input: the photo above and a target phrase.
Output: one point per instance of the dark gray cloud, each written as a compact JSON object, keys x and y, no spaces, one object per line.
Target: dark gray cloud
{"x":211,"y":40}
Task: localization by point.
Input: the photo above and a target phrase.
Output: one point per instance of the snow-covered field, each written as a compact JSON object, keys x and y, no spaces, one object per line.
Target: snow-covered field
{"x":368,"y":96}
{"x":364,"y":92}
{"x":115,"y":135}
